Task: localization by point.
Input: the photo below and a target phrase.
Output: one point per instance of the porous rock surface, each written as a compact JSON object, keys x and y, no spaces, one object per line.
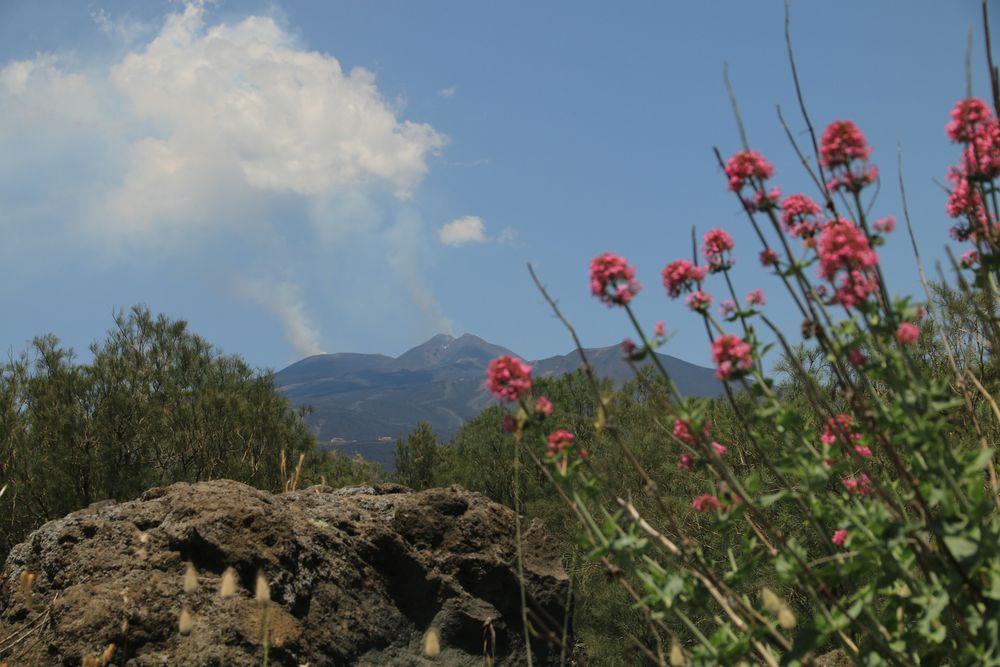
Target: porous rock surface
{"x":357,"y":576}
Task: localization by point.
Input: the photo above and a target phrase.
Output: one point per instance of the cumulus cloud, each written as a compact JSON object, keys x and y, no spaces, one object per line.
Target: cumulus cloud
{"x":211,"y":132}
{"x":472,"y":229}
{"x":467,"y":229}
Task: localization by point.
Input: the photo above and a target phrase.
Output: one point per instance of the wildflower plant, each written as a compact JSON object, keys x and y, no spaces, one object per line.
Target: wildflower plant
{"x":895,"y":557}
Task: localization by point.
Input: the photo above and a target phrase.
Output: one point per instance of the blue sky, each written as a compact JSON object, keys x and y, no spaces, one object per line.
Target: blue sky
{"x":294,"y":177}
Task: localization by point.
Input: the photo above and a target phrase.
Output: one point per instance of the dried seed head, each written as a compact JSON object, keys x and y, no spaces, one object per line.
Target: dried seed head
{"x":109,"y":653}
{"x":91,"y":661}
{"x":185,"y":622}
{"x":27,"y":580}
{"x":228,"y":586}
{"x":676,"y":655}
{"x":771,"y":602}
{"x":262,"y":592}
{"x":190,"y":578}
{"x":786,"y":618}
{"x":432,"y":643}
{"x":143,"y":538}
{"x":125,"y":627}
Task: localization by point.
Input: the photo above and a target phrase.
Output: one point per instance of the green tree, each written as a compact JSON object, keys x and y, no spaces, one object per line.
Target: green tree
{"x":417,"y":457}
{"x":156,"y":405}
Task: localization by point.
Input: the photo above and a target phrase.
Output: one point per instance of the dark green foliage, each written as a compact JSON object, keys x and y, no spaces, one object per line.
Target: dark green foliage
{"x":417,"y":458}
{"x":156,"y":405}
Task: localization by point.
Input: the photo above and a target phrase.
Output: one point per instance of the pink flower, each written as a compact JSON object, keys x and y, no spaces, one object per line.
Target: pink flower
{"x":680,"y":276}
{"x":762,"y":201}
{"x":682,"y":431}
{"x":559,"y":441}
{"x":839,"y":537}
{"x":800,"y":215}
{"x":612,"y":280}
{"x":981,"y":157}
{"x":705,"y":503}
{"x":731,"y":355}
{"x":718,"y":243}
{"x":964,"y":201}
{"x":907,"y":333}
{"x":628,"y":347}
{"x":836,"y":428}
{"x":844,"y":246}
{"x":756,"y":298}
{"x":864,"y":451}
{"x":727,"y":308}
{"x":841,"y":143}
{"x":544,"y":406}
{"x":885,"y":225}
{"x":660,"y":330}
{"x":861,"y":486}
{"x":967,"y":120}
{"x":699,"y":301}
{"x":844,"y":150}
{"x":719,"y":449}
{"x":508,"y":378}
{"x":844,"y":250}
{"x":684,"y":463}
{"x":856,"y":357}
{"x":745,"y":166}
{"x":969,"y":259}
{"x":768,"y":257}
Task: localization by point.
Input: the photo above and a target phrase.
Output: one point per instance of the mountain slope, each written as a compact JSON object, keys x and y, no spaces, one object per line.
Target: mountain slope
{"x":364,"y":402}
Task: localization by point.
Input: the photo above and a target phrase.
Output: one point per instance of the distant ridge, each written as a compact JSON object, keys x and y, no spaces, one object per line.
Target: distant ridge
{"x":363,"y":402}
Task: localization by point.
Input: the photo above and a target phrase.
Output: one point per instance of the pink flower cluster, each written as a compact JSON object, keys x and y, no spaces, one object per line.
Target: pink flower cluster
{"x":844,"y":250}
{"x":859,"y":486}
{"x":839,"y":537}
{"x":746,"y":166}
{"x":839,"y":426}
{"x":559,"y":441}
{"x":907,"y":333}
{"x":973,"y":124}
{"x":682,"y":431}
{"x":699,"y":301}
{"x":543,"y":406}
{"x":508,"y":378}
{"x":731,"y":355}
{"x":756,"y":298}
{"x":681,"y":276}
{"x":844,"y":150}
{"x":801,"y":216}
{"x":706,"y":502}
{"x":612,"y":280}
{"x":717,"y":246}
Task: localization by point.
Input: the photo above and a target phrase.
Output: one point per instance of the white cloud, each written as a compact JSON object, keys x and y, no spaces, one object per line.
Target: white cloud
{"x":472,"y":229}
{"x":123,"y":28}
{"x":468,"y":229}
{"x":243,"y":108}
{"x":210,"y":136}
{"x":448,"y":91}
{"x":282,"y":300}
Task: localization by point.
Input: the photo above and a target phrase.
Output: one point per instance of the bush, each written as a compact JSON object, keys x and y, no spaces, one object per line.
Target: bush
{"x":854,"y":506}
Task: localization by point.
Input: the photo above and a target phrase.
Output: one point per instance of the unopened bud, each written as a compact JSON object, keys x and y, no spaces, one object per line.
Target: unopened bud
{"x":185,"y":622}
{"x":190,"y":578}
{"x":677,"y":655}
{"x":432,"y":643}
{"x":262,"y":592}
{"x":228,"y":586}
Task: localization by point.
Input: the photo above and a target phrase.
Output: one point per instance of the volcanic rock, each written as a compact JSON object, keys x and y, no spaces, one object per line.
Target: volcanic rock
{"x":364,"y":575}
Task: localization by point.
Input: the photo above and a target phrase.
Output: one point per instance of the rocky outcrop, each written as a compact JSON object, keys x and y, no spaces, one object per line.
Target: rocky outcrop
{"x":370,"y":576}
